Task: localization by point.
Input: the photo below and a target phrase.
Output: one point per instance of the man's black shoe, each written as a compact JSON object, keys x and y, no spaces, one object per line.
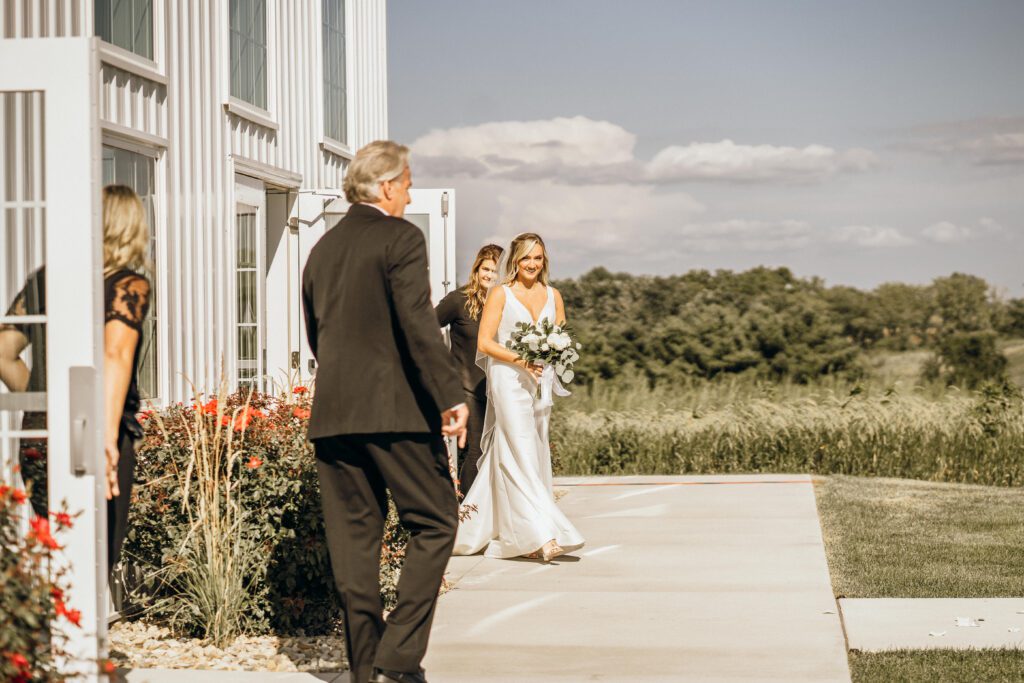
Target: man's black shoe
{"x":384,"y":676}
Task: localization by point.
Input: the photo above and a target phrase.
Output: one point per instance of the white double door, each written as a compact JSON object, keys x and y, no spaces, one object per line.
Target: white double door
{"x":50,"y":161}
{"x":431,"y":210}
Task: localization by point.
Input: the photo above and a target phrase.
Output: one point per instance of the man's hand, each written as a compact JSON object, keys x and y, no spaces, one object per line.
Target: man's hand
{"x":113,"y":455}
{"x":453,"y":422}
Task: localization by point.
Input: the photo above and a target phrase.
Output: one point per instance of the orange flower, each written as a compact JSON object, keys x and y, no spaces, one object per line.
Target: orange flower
{"x":301,"y":413}
{"x":225,"y":420}
{"x":32,"y":453}
{"x":211,"y":407}
{"x":246,"y":416}
{"x":108,"y":667}
{"x":63,"y":519}
{"x":72,"y":615}
{"x":300,"y":390}
{"x":57,"y":593}
{"x":19,"y":496}
{"x":41,"y":532}
{"x":253,"y":463}
{"x":4,"y":490}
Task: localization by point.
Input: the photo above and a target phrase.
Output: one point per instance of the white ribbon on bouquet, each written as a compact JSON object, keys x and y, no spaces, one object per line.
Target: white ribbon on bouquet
{"x":549,"y":386}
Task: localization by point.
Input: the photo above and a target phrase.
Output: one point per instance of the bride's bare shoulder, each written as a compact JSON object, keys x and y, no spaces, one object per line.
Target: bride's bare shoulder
{"x":496,"y":295}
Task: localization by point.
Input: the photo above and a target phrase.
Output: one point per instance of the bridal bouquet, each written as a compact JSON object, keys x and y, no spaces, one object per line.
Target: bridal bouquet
{"x":552,"y":346}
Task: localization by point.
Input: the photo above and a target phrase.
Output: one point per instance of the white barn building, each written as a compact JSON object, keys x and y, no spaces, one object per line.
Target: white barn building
{"x":234,"y":120}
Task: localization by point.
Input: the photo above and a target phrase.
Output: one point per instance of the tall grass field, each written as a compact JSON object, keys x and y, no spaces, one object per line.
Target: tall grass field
{"x":918,"y":432}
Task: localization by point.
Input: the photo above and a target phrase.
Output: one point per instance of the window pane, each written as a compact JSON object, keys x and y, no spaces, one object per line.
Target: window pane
{"x":334,"y":69}
{"x":127,"y":24}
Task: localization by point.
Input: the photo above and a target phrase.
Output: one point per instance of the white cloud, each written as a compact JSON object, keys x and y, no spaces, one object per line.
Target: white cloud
{"x":984,"y":141}
{"x":581,"y":151}
{"x":945,"y":232}
{"x":727,"y":160}
{"x":570,"y":150}
{"x":870,"y":236}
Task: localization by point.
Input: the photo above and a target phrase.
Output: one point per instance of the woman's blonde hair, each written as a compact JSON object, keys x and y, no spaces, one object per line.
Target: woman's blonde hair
{"x":125,"y":230}
{"x":374,"y":164}
{"x":476,"y":293}
{"x":520,"y":248}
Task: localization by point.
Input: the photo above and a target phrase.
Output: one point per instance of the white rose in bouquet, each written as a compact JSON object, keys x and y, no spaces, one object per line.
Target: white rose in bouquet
{"x":567,"y":376}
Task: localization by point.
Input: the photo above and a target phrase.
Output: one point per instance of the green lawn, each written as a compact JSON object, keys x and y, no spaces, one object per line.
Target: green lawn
{"x":914,"y":539}
{"x":940,"y":666}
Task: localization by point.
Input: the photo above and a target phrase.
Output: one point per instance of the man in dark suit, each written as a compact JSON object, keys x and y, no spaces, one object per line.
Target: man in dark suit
{"x":386,"y":392}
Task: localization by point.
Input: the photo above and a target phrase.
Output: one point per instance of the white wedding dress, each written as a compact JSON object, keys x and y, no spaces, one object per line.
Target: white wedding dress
{"x":515,"y":505}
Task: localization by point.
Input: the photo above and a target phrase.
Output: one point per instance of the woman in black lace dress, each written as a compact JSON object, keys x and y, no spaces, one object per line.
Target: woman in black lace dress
{"x":126,"y":302}
{"x":461,"y":310}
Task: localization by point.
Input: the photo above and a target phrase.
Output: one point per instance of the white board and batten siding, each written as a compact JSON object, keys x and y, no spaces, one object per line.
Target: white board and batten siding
{"x":177,"y":110}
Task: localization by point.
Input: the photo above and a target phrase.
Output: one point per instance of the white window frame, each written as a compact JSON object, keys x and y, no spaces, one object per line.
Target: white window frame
{"x":343,"y":149}
{"x":154,"y":69}
{"x":265,"y":117}
{"x":162,"y":237}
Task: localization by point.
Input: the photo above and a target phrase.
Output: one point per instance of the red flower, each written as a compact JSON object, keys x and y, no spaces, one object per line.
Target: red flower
{"x":211,"y":407}
{"x":300,"y":390}
{"x":253,"y":463}
{"x":57,"y":593}
{"x":301,"y":413}
{"x":108,"y":667}
{"x":4,"y":490}
{"x":19,"y":496}
{"x":18,"y":660}
{"x":225,"y":420}
{"x":32,"y":453}
{"x":72,"y":615}
{"x":41,"y":532}
{"x":145,"y":415}
{"x":63,"y":519}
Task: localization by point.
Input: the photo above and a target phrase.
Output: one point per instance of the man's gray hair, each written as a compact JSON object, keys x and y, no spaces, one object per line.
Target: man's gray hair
{"x":374,"y":164}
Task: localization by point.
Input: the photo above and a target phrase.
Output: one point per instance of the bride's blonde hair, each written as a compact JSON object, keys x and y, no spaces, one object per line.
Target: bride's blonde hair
{"x":125,"y":232}
{"x":520,"y":248}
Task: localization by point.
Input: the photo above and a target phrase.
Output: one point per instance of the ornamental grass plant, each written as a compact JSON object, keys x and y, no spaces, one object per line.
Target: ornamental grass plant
{"x":227,"y":503}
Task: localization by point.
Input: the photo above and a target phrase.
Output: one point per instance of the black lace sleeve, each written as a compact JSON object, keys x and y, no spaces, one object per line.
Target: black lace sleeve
{"x":127,"y":299}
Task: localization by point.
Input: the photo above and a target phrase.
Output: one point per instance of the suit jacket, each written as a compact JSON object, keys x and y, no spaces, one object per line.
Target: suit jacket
{"x":383,"y":365}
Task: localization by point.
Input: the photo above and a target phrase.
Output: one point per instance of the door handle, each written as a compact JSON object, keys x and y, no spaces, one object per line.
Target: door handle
{"x":78,"y":448}
{"x":82,"y":386}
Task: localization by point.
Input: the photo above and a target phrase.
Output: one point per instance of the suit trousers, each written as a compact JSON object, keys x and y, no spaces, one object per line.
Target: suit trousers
{"x":469,"y":455}
{"x":355,"y":472}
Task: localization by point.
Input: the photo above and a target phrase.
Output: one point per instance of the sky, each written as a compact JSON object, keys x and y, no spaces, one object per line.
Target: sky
{"x":860,"y":142}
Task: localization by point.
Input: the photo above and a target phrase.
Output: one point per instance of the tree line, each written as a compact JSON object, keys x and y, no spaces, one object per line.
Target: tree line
{"x":771,"y":324}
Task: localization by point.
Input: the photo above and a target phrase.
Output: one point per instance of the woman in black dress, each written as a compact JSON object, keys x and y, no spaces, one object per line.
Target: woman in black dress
{"x":126,"y":301}
{"x":461,"y":310}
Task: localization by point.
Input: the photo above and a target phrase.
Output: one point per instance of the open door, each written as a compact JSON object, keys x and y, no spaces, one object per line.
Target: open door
{"x":432,"y":211}
{"x":51,"y":256}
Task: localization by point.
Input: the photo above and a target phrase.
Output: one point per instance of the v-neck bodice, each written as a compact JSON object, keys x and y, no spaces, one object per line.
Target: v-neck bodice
{"x":516,"y":312}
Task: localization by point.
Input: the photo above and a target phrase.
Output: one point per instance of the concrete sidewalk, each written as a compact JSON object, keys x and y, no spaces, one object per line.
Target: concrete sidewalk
{"x":877,"y":624}
{"x":682,"y":579}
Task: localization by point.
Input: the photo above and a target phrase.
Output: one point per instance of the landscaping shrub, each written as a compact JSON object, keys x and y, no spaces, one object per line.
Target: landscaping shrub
{"x":274,"y":480}
{"x":35,"y":596}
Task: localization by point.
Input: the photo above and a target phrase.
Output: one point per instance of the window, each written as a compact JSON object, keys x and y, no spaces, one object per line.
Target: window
{"x":335,"y":99}
{"x":127,"y":24}
{"x":249,"y":355}
{"x":249,"y":51}
{"x":123,"y":167}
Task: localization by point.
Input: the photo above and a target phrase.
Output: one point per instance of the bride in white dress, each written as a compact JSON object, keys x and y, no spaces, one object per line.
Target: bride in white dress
{"x":516,"y":514}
